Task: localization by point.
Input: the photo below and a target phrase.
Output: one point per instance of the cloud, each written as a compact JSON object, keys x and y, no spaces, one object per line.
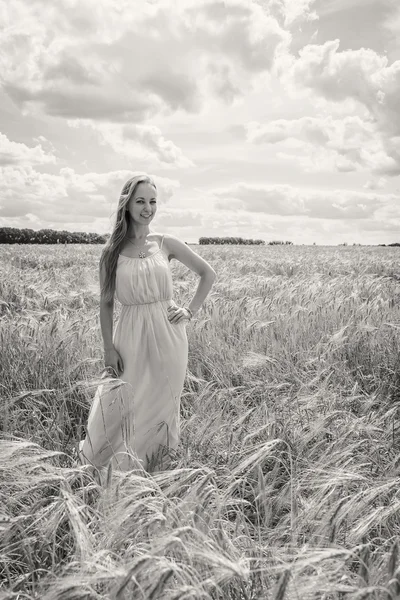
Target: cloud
{"x":392,"y":21}
{"x":375,"y":184}
{"x":15,"y":153}
{"x":328,"y":144}
{"x":286,"y":200}
{"x":109,"y":62}
{"x":293,"y":11}
{"x":171,"y":217}
{"x":138,"y":142}
{"x":363,"y":77}
{"x":59,"y":198}
{"x":360,"y":74}
{"x":221,"y":82}
{"x":190,"y":224}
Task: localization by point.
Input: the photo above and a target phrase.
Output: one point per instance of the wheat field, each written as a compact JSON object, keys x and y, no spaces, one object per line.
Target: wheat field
{"x":286,"y":483}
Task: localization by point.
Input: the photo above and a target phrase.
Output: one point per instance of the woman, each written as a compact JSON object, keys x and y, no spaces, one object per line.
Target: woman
{"x":137,"y":417}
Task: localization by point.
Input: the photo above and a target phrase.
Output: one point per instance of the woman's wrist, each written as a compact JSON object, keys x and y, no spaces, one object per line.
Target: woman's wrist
{"x":110,"y":347}
{"x":192,"y":312}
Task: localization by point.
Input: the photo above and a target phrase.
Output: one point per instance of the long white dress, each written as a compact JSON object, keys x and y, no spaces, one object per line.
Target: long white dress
{"x":138,"y":414}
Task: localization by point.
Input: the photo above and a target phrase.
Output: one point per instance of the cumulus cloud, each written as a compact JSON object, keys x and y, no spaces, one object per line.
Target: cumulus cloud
{"x":376,"y":183}
{"x":226,"y":220}
{"x":15,"y":153}
{"x":138,"y":142}
{"x":392,"y":24}
{"x":191,"y":223}
{"x":363,"y":77}
{"x":107,"y":61}
{"x":360,"y":74}
{"x":338,"y":75}
{"x":293,"y":11}
{"x":59,"y":198}
{"x":346,"y":144}
{"x":286,"y":200}
{"x":171,"y":217}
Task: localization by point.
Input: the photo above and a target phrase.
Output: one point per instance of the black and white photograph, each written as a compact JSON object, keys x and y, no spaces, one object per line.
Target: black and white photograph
{"x":199,"y":300}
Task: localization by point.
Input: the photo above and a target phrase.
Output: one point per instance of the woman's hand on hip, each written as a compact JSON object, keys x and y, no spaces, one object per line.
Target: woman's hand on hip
{"x":113,"y":362}
{"x":176,"y":314}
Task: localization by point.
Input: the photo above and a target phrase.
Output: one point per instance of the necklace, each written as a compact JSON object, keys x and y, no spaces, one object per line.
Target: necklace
{"x":141,"y":254}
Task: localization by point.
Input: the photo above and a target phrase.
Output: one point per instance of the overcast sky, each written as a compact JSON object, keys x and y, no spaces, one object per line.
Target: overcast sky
{"x":272,"y":119}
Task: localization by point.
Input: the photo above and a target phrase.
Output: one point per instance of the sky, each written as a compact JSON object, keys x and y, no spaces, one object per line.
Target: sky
{"x":265,"y":119}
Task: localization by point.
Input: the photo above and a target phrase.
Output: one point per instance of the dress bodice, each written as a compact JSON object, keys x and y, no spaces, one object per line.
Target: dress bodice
{"x":143,"y":280}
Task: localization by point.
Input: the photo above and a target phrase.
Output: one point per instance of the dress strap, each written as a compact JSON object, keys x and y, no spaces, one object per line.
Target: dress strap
{"x":162,"y":239}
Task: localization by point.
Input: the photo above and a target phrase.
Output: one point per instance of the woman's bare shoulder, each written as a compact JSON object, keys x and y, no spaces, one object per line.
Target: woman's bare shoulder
{"x":163,"y":242}
{"x":168,"y":242}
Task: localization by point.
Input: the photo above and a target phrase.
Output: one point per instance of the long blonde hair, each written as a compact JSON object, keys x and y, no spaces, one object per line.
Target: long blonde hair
{"x":109,"y":256}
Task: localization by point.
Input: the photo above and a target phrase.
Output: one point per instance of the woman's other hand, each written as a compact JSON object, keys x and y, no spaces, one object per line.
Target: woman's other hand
{"x":113,"y":362}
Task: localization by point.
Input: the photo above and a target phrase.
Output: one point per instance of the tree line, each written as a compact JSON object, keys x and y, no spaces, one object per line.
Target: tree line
{"x":12,"y":235}
{"x":240,"y":240}
{"x":228,"y":240}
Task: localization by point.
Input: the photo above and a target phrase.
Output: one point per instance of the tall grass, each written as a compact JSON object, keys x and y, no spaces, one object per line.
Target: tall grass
{"x":286,"y":482}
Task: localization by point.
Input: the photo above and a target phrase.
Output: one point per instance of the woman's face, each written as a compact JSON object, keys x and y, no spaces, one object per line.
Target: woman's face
{"x":143,"y":205}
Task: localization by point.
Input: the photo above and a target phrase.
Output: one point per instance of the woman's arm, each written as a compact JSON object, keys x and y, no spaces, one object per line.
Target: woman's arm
{"x":182,"y":252}
{"x":106,"y":314}
{"x":204,"y":286}
{"x":112,"y":359}
{"x":106,"y":323}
